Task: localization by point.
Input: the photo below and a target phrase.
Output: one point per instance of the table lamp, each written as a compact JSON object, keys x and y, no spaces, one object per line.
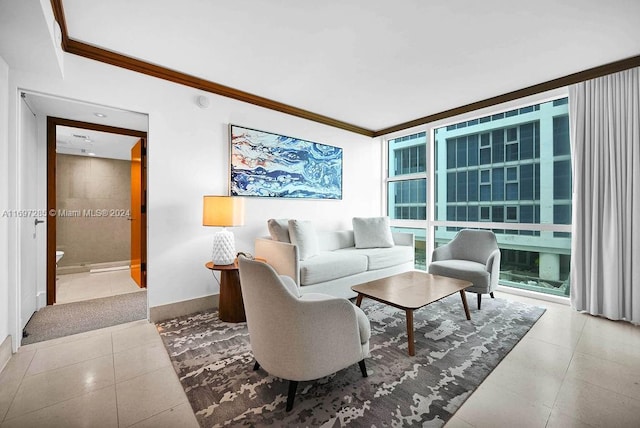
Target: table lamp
{"x":223,"y":211}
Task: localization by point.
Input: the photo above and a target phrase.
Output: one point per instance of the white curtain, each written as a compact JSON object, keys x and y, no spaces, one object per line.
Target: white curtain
{"x":605,"y":138}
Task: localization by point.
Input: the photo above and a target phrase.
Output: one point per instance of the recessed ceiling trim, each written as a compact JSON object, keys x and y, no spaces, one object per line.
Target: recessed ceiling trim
{"x":93,"y":52}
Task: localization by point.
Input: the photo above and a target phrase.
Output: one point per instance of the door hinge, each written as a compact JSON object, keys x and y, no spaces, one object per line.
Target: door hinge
{"x":143,"y":267}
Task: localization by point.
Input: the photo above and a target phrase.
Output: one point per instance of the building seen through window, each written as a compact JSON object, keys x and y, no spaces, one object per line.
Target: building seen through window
{"x":407,"y":187}
{"x":511,"y":168}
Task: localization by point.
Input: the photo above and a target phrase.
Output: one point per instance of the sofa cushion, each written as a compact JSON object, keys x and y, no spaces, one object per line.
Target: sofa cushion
{"x":380,"y":258}
{"x":331,"y":265}
{"x":372,"y":232}
{"x":303,"y":235}
{"x":463,"y":269}
{"x":279,"y":229}
{"x":330,"y":240}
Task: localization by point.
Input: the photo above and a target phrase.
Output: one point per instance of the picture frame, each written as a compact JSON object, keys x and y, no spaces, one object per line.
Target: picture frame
{"x":266,"y":164}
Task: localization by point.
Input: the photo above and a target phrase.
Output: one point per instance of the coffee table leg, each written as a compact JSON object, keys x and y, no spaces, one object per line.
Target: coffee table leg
{"x":358,"y":300}
{"x":464,"y":303}
{"x":410,"y":340}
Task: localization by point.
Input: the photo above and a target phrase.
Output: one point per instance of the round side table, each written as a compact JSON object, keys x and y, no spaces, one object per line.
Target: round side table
{"x":230,"y":305}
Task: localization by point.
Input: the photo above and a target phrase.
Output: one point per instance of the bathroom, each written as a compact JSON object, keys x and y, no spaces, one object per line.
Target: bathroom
{"x":93,"y":214}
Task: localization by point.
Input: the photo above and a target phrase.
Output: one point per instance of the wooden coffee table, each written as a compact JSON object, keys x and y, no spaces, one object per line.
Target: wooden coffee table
{"x":410,"y":291}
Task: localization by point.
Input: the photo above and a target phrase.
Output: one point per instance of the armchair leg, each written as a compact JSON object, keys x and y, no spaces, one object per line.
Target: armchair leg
{"x":293,"y":386}
{"x":492,"y":296}
{"x":363,"y":368}
{"x":479,"y":300}
{"x":256,"y":366}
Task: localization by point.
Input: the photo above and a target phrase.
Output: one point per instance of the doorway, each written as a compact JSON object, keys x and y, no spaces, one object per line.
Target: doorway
{"x":89,"y":166}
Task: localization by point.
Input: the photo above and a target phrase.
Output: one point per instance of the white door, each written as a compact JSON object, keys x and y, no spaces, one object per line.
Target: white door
{"x":27,"y":213}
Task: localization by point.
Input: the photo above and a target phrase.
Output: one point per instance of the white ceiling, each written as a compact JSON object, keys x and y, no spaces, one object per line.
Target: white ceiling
{"x":102,"y":144}
{"x":85,"y":142}
{"x":373,"y":63}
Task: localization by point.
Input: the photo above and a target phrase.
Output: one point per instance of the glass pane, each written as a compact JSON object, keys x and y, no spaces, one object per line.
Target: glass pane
{"x":461,"y":155}
{"x":451,"y":153}
{"x":472,"y":189}
{"x":561,"y":135}
{"x":472,"y":150}
{"x":562,"y":179}
{"x":526,"y":261}
{"x":534,"y":142}
{"x":497,"y":182}
{"x":408,"y":154}
{"x":404,"y":195}
{"x":512,"y":191}
{"x":512,"y":152}
{"x":420,"y":236}
{"x":526,"y":141}
{"x":461,"y":188}
{"x":497,"y":145}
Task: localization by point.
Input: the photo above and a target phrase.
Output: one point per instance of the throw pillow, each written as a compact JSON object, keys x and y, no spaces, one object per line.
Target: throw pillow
{"x":303,"y":234}
{"x":372,"y":232}
{"x":279,"y":229}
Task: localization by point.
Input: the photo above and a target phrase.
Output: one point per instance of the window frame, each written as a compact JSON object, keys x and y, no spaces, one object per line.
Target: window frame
{"x":524,"y":106}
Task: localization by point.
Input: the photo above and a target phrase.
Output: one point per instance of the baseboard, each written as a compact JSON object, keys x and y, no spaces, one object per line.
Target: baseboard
{"x":100,"y":267}
{"x":186,"y":307}
{"x":5,"y":352}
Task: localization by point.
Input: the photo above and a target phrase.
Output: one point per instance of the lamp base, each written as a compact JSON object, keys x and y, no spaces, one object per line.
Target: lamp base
{"x":224,"y":248}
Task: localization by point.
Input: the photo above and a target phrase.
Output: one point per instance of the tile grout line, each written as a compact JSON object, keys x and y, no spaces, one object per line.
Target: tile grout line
{"x":115,"y":383}
{"x":4,"y":417}
{"x":566,"y":370}
{"x":56,"y":404}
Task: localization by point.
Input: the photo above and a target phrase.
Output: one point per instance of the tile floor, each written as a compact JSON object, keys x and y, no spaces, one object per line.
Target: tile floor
{"x":570,"y":370}
{"x":75,"y":287}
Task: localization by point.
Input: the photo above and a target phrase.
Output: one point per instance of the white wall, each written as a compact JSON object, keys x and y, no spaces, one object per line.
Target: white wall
{"x":188,"y":158}
{"x":4,"y":261}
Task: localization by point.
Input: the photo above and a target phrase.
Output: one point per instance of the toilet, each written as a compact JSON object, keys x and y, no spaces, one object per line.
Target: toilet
{"x":59,"y":255}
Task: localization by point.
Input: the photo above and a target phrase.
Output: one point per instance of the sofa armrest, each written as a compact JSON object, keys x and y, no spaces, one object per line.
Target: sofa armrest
{"x":403,"y":238}
{"x":282,"y":256}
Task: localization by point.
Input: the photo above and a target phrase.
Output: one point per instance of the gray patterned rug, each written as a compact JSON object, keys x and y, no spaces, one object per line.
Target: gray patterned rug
{"x":453,"y":356}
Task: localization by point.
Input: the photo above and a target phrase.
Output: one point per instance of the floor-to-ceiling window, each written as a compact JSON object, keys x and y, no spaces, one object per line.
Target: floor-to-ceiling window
{"x":510,"y":172}
{"x":407,"y":189}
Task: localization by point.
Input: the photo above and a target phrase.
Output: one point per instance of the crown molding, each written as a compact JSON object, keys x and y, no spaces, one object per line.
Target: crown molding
{"x":85,"y":50}
{"x":109,"y":57}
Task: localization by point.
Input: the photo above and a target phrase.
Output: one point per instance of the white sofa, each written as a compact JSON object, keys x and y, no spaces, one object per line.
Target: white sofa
{"x":338,"y":264}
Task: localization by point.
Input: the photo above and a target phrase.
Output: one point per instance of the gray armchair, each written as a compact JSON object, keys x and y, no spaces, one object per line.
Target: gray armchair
{"x":473,"y":255}
{"x":299,"y":338}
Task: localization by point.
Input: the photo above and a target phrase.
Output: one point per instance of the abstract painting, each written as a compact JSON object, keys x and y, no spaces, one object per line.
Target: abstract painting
{"x":271,"y":165}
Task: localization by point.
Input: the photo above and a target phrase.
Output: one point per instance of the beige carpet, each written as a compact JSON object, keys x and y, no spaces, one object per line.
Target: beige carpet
{"x":66,"y":319}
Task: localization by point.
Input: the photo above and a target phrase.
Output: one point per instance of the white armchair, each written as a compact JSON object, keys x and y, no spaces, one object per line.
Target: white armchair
{"x":299,"y":338}
{"x":473,"y":255}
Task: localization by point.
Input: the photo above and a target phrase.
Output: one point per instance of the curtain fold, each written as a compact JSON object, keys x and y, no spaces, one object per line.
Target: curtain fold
{"x":605,"y":137}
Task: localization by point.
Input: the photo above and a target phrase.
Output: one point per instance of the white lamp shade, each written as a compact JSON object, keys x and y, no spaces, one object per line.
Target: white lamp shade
{"x":222,"y":211}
